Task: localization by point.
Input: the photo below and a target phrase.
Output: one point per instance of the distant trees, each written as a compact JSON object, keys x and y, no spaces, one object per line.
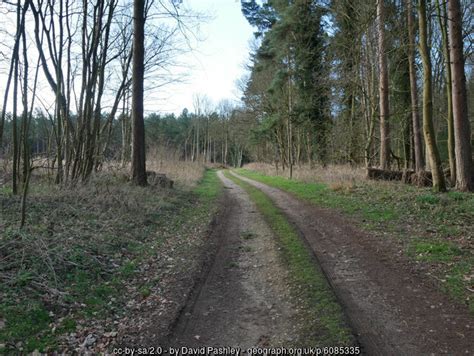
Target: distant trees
{"x":212,"y":134}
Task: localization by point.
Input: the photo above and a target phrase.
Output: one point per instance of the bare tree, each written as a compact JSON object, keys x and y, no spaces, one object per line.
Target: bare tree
{"x":462,"y":130}
{"x":428,"y":129}
{"x":443,"y":24}
{"x":417,"y":140}
{"x":383,"y":89}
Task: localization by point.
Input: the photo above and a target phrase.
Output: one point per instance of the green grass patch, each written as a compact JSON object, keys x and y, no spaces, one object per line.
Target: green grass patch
{"x":324,"y":319}
{"x":434,"y":227}
{"x":24,"y":320}
{"x":455,"y":279}
{"x":428,"y":199}
{"x":457,"y":264}
{"x":436,"y":251}
{"x":145,"y":292}
{"x":209,"y":187}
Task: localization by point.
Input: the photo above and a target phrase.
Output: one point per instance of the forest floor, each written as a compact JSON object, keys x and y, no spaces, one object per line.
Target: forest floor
{"x":97,"y":264}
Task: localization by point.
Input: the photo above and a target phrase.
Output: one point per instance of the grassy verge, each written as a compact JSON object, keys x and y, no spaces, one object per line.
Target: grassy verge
{"x":436,"y":230}
{"x":325,"y":324}
{"x":84,"y":252}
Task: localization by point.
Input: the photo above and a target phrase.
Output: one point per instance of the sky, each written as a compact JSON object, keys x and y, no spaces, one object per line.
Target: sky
{"x":216,"y":62}
{"x":212,"y":68}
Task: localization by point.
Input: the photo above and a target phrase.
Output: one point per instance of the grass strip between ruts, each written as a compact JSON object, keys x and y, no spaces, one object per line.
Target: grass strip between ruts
{"x":325,"y":323}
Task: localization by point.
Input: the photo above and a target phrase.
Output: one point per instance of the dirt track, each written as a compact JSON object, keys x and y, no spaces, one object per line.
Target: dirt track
{"x":243,"y":301}
{"x":392,"y":309}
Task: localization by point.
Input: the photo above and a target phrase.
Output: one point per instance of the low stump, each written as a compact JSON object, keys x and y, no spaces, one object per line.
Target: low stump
{"x":159,"y":179}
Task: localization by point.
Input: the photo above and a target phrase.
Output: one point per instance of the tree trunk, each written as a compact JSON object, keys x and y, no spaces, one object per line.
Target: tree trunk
{"x":126,"y":128}
{"x":225,"y":148}
{"x":138,"y":125}
{"x":197,"y":141}
{"x":309,"y":149}
{"x":462,"y":130}
{"x":383,"y":90}
{"x":59,"y":93}
{"x":443,"y":24}
{"x":7,"y":90}
{"x":428,"y":129}
{"x":417,"y":141}
{"x":289,"y":123}
{"x":193,"y":146}
{"x":14,"y":124}
{"x":24,"y":120}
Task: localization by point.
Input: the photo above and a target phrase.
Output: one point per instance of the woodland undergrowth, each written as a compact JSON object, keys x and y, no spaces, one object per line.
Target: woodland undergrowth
{"x":83,"y":246}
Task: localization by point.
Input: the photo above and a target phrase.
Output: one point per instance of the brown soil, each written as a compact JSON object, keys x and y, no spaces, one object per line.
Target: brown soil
{"x":244,"y":300}
{"x":392,"y":308}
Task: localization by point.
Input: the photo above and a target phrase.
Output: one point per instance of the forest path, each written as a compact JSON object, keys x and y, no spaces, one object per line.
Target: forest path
{"x":244,"y":300}
{"x":392,"y":309}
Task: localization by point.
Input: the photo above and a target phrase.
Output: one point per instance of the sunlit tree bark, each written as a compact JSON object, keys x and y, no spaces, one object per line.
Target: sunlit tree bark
{"x":462,"y":129}
{"x":428,"y":129}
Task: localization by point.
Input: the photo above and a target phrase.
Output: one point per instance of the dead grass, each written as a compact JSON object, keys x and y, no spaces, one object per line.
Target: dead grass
{"x":337,"y":176}
{"x":185,"y":174}
{"x":162,"y":160}
{"x":343,"y":187}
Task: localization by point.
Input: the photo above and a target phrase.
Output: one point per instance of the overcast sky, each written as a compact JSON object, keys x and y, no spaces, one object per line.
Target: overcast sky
{"x":217,"y":62}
